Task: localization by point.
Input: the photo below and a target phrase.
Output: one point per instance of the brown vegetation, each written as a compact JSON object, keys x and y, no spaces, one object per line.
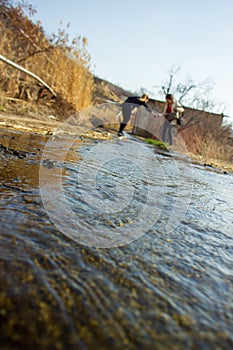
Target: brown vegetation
{"x":211,"y":145}
{"x":64,"y":66}
{"x":204,"y":135}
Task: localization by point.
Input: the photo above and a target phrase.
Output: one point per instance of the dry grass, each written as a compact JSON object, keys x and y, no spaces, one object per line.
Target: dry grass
{"x":64,"y":66}
{"x":102,"y":93}
{"x":217,"y":145}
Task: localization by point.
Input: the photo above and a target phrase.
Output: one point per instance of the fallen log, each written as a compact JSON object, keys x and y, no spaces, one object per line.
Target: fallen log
{"x":22,"y":69}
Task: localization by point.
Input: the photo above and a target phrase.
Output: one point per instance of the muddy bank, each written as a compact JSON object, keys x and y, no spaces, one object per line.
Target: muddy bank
{"x":89,"y":128}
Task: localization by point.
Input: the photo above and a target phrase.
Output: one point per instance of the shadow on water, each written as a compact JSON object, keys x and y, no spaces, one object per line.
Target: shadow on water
{"x":165,"y":290}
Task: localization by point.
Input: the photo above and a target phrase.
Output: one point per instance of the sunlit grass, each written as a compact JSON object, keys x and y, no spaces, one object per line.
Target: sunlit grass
{"x":157,"y":143}
{"x":212,"y":146}
{"x":62,"y":64}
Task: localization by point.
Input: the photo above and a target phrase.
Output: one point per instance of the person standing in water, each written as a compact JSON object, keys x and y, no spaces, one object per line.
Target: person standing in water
{"x":172,"y":111}
{"x":127,"y":107}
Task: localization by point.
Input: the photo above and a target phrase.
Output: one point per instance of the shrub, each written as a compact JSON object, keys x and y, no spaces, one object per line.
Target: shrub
{"x":63,"y":64}
{"x":215,"y":145}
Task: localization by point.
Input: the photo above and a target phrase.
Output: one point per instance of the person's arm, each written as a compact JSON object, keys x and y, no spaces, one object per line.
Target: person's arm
{"x":144,"y":104}
{"x":178,"y":108}
{"x":148,"y":108}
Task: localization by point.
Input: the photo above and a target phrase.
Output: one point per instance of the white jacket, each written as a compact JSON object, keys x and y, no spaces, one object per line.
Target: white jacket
{"x":176,"y":108}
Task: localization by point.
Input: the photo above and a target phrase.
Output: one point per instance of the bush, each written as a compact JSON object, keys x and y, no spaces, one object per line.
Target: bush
{"x":63,"y":64}
{"x":215,"y":145}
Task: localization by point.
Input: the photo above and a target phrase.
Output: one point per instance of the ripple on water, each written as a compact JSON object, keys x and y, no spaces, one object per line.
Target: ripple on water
{"x":166,"y":290}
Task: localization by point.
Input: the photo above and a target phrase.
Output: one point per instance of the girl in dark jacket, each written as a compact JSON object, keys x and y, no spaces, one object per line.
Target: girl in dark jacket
{"x":127,"y":107}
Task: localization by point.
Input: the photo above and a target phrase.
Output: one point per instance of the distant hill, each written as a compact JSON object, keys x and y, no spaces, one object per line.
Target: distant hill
{"x":104,"y":91}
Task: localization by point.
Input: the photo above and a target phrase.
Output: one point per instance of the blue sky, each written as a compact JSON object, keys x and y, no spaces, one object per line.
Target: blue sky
{"x":134,"y":43}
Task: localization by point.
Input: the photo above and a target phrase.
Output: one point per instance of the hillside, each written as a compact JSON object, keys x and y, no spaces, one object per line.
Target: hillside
{"x":44,"y":81}
{"x":42,"y":76}
{"x":40,"y":73}
{"x":105,"y":91}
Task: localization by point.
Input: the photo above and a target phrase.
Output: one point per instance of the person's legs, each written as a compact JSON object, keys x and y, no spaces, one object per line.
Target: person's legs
{"x":164,"y":131}
{"x":170,"y":134}
{"x":122,"y":126}
{"x":126,"y":111}
{"x":167,"y":132}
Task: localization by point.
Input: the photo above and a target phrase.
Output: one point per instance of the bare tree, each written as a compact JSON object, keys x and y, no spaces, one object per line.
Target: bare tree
{"x":190,"y":93}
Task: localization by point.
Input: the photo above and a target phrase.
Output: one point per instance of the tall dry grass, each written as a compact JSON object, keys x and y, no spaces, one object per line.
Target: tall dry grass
{"x":216,"y":145}
{"x":63,"y":64}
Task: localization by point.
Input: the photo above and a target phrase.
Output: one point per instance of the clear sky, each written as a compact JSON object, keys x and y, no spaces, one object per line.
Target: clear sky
{"x":134,"y":44}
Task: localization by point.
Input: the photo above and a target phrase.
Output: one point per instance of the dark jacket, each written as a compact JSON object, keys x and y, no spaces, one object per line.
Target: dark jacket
{"x":132,"y":102}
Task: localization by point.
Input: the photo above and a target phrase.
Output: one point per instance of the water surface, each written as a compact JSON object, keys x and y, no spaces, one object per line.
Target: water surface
{"x":167,"y":289}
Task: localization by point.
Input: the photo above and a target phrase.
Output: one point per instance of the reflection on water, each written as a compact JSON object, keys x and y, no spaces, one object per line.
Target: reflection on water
{"x":166,"y":290}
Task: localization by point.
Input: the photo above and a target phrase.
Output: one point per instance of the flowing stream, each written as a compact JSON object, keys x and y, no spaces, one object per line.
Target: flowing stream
{"x":112,"y":245}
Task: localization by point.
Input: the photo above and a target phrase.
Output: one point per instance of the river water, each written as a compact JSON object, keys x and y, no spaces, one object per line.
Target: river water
{"x":112,"y":245}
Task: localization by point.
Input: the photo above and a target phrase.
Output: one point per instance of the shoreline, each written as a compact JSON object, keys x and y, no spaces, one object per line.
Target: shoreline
{"x":48,"y":125}
{"x":212,"y":163}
